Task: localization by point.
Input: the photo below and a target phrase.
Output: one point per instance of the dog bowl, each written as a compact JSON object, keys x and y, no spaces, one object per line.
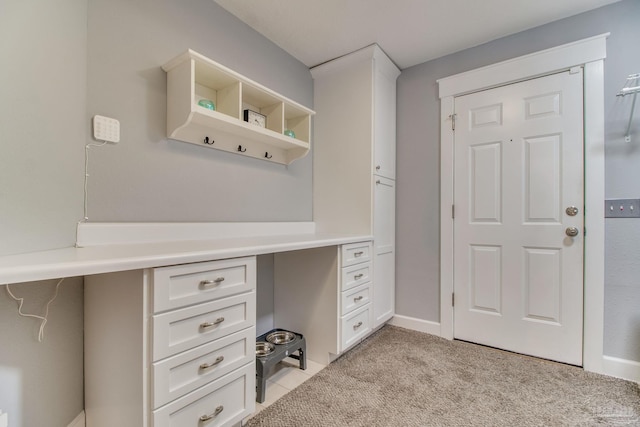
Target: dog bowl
{"x":264,"y":348}
{"x":281,"y":337}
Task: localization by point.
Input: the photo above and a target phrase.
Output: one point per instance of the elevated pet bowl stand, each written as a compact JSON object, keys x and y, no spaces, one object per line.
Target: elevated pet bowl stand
{"x":265,"y":363}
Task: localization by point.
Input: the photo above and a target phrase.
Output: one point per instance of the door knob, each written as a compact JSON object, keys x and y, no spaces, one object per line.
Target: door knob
{"x":572,"y":211}
{"x":572,"y":231}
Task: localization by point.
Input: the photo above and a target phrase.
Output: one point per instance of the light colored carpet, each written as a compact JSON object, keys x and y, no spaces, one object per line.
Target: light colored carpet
{"x":399,"y":377}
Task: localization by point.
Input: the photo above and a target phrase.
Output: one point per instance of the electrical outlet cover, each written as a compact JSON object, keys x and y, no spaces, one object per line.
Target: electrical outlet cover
{"x":622,"y":208}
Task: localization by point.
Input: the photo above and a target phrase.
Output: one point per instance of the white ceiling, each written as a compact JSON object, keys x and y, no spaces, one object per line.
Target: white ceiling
{"x":409,"y":31}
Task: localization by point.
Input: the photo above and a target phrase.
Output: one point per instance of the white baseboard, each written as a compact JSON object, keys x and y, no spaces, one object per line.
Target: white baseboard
{"x":414,"y":324}
{"x":621,"y":368}
{"x":78,"y":421}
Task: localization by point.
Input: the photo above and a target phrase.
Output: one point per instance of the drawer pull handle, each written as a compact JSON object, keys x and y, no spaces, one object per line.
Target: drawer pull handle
{"x":218,"y":360}
{"x":206,"y":325}
{"x":210,"y":282}
{"x":217,"y":412}
{"x":357,"y":254}
{"x":356,"y":299}
{"x":357,"y":325}
{"x":358,"y":276}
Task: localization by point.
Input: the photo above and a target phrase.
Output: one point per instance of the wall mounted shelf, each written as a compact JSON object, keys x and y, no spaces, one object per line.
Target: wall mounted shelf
{"x":192,"y":77}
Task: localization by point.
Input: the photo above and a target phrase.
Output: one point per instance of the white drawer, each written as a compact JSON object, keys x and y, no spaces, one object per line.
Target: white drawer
{"x":355,"y":275}
{"x":189,"y":327}
{"x":182,"y":285}
{"x":355,"y":326}
{"x":355,"y":298}
{"x":232,"y":397}
{"x":184,"y":372}
{"x":355,"y":253}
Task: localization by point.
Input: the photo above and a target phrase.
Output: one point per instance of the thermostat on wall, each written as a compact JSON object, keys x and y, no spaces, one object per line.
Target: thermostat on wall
{"x":106,"y":129}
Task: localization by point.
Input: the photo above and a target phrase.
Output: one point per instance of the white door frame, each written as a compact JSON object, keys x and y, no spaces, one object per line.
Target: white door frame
{"x":588,"y":53}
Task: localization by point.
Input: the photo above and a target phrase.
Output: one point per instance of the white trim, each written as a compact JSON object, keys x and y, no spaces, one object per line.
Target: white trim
{"x":526,"y":67}
{"x":593,"y":344}
{"x":117,"y":233}
{"x":414,"y":324}
{"x":621,"y":368}
{"x":446,"y":217}
{"x":589,"y":53}
{"x":79,"y":421}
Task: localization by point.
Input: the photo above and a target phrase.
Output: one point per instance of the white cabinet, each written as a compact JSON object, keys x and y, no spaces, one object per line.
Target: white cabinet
{"x":325,"y":294}
{"x":384,"y":117}
{"x":355,"y":293}
{"x":354,"y":159}
{"x":220,"y":123}
{"x":171,"y":345}
{"x":384,"y":213}
{"x":384,"y":252}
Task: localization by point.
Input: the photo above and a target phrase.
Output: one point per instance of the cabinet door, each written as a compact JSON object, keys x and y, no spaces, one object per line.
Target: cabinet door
{"x":384,"y":250}
{"x":384,"y":217}
{"x":385,"y":123}
{"x":383,"y":288}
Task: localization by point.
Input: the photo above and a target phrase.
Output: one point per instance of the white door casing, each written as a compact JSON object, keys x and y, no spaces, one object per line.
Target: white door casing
{"x":518,"y":165}
{"x":589,"y":53}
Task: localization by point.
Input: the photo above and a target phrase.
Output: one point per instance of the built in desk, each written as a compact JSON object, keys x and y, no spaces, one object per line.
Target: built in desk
{"x":170,"y":311}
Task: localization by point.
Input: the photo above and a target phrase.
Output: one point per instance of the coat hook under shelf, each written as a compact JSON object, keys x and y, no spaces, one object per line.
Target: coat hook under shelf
{"x":240,"y":149}
{"x":208,"y":141}
{"x":267,"y":155}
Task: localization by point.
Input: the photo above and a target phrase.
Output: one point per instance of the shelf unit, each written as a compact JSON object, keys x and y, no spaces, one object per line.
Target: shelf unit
{"x":192,"y":77}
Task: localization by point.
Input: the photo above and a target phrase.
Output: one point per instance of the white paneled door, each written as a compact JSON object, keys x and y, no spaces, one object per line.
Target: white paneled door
{"x":518,"y":227}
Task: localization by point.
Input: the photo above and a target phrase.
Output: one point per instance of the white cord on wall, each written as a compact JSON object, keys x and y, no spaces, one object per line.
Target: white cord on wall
{"x":46,"y":311}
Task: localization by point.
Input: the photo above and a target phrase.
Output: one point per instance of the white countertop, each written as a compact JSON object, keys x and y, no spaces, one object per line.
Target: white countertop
{"x":71,"y":262}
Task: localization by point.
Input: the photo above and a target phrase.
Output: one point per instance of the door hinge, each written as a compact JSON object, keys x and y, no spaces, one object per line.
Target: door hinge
{"x":453,"y":121}
{"x":453,"y":299}
{"x":453,"y":211}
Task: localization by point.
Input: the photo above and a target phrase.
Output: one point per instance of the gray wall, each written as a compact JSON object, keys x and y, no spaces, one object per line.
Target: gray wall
{"x":41,"y":383}
{"x":66,"y":61}
{"x":43,"y":48}
{"x":418,"y":176}
{"x":149,"y":178}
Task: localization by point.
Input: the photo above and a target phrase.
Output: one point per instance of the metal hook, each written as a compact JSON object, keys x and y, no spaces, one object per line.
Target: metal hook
{"x":267,"y":155}
{"x":206,"y":141}
{"x":240,"y":149}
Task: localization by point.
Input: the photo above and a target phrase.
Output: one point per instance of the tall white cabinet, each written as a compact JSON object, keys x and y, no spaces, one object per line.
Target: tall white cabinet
{"x":355,"y":157}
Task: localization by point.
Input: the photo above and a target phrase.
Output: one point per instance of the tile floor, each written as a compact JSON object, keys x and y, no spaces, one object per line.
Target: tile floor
{"x":286,"y":376}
